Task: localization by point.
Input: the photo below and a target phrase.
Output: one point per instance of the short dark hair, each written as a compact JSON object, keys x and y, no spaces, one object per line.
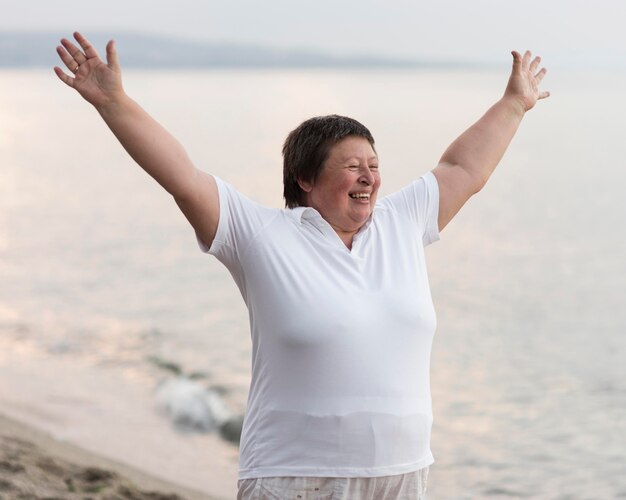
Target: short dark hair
{"x":306,"y":149}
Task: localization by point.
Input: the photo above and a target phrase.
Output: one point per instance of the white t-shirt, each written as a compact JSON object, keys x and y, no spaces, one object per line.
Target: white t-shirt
{"x":341,"y":339}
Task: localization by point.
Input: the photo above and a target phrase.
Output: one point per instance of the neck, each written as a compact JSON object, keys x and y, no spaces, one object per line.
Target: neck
{"x":345,"y":236}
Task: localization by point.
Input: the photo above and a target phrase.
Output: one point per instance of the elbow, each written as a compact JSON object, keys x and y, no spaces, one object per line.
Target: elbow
{"x":479,"y":184}
{"x":476,"y":180}
{"x":184,"y":187}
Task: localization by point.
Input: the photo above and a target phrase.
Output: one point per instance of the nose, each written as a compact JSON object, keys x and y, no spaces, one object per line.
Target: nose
{"x":367,"y":177}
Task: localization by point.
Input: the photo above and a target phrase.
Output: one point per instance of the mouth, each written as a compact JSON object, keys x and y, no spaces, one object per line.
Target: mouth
{"x":360,"y":196}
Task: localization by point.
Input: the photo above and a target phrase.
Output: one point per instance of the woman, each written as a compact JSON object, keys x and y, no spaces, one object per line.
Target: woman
{"x":340,"y":308}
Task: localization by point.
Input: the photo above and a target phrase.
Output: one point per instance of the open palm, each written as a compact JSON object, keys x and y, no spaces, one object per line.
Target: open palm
{"x":94,"y":80}
{"x":524,"y":82}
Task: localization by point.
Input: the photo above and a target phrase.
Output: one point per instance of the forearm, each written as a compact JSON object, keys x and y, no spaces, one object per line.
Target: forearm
{"x":149,"y":144}
{"x":480,"y":148}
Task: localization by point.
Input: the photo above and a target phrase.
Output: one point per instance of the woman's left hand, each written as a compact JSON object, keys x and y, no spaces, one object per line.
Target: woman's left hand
{"x":523,"y":86}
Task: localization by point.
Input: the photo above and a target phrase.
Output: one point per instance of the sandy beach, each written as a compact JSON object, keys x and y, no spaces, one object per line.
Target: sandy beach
{"x":35,"y":465}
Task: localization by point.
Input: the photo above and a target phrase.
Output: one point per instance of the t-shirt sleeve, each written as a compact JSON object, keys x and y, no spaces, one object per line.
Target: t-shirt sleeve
{"x":420,"y":202}
{"x":240,"y":220}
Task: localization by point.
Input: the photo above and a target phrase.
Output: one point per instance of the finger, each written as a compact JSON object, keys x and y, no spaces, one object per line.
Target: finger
{"x":67,"y":59}
{"x":535,"y":64}
{"x":67,"y":80}
{"x":112,"y":59}
{"x":517,"y":60}
{"x":539,"y":76}
{"x":526,"y":59}
{"x":87,"y":47}
{"x":76,"y":53}
{"x":73,"y":51}
{"x":543,"y":95}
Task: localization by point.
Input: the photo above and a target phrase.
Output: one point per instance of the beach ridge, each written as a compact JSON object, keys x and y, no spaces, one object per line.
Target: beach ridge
{"x":32,"y":462}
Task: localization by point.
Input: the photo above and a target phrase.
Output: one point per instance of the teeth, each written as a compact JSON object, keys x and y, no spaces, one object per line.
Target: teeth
{"x":360,"y":195}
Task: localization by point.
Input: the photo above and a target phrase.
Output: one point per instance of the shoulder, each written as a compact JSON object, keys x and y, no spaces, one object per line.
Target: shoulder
{"x":419,"y":192}
{"x":240,"y":218}
{"x":417,"y":204}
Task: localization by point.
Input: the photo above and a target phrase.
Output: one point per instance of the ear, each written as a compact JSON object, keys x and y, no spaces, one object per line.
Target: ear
{"x":305,"y":185}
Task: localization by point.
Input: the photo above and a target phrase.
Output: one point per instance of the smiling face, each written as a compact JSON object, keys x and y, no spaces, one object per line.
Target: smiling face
{"x":345,"y":190}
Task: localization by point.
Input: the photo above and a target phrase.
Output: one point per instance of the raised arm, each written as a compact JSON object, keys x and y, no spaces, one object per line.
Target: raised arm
{"x":149,"y":144}
{"x":469,"y":161}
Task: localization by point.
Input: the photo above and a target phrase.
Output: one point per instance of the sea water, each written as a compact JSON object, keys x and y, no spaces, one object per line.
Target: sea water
{"x":118,"y":334}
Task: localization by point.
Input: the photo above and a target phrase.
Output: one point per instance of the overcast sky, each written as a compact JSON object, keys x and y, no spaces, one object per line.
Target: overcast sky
{"x":574,"y":33}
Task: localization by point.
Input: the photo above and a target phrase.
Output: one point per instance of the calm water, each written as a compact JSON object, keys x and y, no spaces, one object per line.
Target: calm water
{"x":99,"y":271}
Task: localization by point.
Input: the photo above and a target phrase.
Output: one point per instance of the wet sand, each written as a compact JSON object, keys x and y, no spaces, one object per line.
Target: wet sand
{"x":34,"y":465}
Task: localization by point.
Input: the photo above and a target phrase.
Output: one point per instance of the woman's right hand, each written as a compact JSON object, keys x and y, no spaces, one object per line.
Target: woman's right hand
{"x":98,"y":83}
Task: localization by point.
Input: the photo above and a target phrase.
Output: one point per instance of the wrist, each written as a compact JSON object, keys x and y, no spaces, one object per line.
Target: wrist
{"x":514,"y":105}
{"x":113,"y":104}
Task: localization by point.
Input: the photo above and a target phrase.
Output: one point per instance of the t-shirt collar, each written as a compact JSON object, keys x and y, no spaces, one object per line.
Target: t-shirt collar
{"x":302,"y":214}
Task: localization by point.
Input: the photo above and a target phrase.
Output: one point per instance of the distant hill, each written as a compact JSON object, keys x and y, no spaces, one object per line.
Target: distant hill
{"x":37,"y":49}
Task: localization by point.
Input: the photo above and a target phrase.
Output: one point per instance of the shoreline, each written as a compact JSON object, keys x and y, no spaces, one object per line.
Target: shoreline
{"x":113,"y":414}
{"x":34,"y":462}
